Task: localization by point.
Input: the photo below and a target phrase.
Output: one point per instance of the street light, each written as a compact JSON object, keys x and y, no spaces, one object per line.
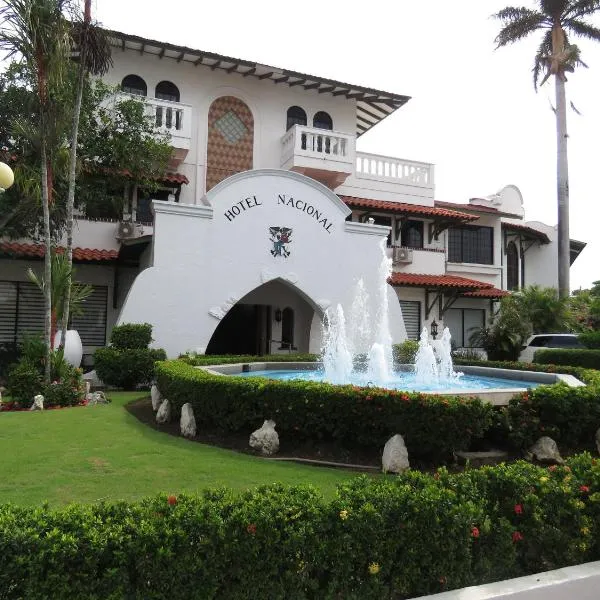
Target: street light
{"x":7,"y":177}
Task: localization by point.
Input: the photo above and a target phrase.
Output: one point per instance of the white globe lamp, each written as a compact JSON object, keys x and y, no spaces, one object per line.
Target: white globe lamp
{"x":7,"y":177}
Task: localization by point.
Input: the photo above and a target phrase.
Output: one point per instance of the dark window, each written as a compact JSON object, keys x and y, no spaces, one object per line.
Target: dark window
{"x":166,"y":90}
{"x":143,"y":211}
{"x":386,"y":222}
{"x":471,"y":245}
{"x":287,"y":329}
{"x":512,"y":267}
{"x":322,"y":120}
{"x":412,"y":234}
{"x":295,"y":116}
{"x":463,"y":323}
{"x":134,"y":84}
{"x":541,"y":341}
{"x":91,"y":323}
{"x":411,"y":313}
{"x":565,"y":341}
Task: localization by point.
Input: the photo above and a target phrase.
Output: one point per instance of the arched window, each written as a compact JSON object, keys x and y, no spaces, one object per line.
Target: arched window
{"x":512,"y":267}
{"x":295,"y":116}
{"x":287,"y":328}
{"x":166,"y":90}
{"x":134,"y":84}
{"x":322,"y":120}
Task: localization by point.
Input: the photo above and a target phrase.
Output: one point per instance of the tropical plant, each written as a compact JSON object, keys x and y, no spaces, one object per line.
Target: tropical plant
{"x":543,"y":308}
{"x":556,"y":56}
{"x":37,"y":32}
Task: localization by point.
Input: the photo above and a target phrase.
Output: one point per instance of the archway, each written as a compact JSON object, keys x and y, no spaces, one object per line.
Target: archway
{"x":274,"y":318}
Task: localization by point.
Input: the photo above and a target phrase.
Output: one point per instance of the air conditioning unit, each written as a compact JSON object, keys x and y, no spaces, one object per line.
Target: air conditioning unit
{"x":125,"y":230}
{"x":403,"y":255}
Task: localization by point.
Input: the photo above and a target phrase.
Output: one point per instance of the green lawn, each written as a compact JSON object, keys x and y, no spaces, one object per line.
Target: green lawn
{"x":87,"y":454}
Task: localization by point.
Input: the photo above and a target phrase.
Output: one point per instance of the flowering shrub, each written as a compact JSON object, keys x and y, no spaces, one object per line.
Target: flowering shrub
{"x":400,"y":537}
{"x":432,"y":426}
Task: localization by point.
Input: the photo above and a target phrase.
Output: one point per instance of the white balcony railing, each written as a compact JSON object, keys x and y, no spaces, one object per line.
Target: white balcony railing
{"x":393,"y":170}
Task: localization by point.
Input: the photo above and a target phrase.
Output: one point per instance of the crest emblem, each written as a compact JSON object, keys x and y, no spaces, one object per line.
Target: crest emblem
{"x":280,"y":238}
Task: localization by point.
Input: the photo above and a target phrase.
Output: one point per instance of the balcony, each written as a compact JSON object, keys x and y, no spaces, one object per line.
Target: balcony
{"x":327,"y":156}
{"x":418,"y":260}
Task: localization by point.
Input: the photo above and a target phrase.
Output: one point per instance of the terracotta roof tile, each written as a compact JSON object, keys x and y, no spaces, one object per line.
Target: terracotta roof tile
{"x":540,"y":235}
{"x":487,"y":293}
{"x":437,"y":281}
{"x":464,"y":206}
{"x":411,"y":209}
{"x":38,"y":251}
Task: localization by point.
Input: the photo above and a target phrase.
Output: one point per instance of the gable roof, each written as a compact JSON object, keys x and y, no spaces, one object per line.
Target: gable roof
{"x":372,"y":106}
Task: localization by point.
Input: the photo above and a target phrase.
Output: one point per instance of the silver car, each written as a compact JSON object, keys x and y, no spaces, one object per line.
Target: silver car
{"x":539,"y":341}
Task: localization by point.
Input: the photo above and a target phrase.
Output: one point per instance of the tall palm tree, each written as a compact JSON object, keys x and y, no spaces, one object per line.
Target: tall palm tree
{"x":94,"y":58}
{"x":556,"y":20}
{"x":38,"y":33}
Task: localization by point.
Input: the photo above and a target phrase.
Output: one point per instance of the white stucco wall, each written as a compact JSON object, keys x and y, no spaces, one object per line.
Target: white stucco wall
{"x":206,"y":258}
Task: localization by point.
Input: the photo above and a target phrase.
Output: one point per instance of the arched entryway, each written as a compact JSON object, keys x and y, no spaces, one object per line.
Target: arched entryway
{"x":275,"y":318}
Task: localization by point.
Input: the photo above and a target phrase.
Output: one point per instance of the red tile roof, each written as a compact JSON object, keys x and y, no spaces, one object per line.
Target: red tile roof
{"x":38,"y":250}
{"x":437,"y":281}
{"x":166,"y":177}
{"x":411,"y":209}
{"x":530,"y":231}
{"x":464,"y":206}
{"x":487,"y":293}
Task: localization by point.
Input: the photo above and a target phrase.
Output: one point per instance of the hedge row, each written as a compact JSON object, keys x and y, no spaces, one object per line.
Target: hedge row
{"x":432,"y":426}
{"x":199,"y":360}
{"x":398,"y":537}
{"x":589,"y":359}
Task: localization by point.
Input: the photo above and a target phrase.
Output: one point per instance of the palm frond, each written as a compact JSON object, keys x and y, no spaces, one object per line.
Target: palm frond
{"x":94,"y":48}
{"x":582,"y":29}
{"x":582,"y":8}
{"x":518,"y":22}
{"x":541,"y":60}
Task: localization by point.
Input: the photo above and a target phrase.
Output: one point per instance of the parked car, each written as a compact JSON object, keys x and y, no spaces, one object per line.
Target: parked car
{"x":548,"y":340}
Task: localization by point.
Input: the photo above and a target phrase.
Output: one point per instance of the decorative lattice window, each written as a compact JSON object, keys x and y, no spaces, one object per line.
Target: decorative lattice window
{"x":231,"y":127}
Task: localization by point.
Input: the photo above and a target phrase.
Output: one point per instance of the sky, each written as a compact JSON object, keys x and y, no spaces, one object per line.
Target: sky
{"x":474,"y":112}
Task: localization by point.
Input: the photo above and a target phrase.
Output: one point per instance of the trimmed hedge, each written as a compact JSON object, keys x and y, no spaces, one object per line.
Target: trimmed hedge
{"x":432,"y":426}
{"x":131,"y":336}
{"x":127,"y":368}
{"x":199,"y":360}
{"x":590,"y":339}
{"x":588,"y":359}
{"x":395,"y":537}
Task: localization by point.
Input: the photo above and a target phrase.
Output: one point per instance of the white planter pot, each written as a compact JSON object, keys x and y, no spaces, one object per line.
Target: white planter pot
{"x":73,"y":346}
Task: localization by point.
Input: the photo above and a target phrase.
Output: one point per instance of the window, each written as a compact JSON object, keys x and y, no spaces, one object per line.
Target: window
{"x":166,"y":90}
{"x":412,"y":234}
{"x":463,"y":322}
{"x":411,"y":313}
{"x":322,"y":120}
{"x":134,"y":84}
{"x":471,"y":245}
{"x":512,"y":267}
{"x":287,"y":329}
{"x":91,"y":323}
{"x":295,"y":116}
{"x":386,"y":222}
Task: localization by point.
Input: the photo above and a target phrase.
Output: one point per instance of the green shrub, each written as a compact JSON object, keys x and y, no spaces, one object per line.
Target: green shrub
{"x":589,"y":359}
{"x":432,"y":426}
{"x":127,"y":368}
{"x":590,"y":339}
{"x":405,"y":352}
{"x":197,"y":360}
{"x":400,"y":537}
{"x":9,"y":354}
{"x":24,"y":382}
{"x":131,"y":336}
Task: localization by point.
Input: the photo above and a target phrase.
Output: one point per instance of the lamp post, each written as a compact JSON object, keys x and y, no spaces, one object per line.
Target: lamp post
{"x":7,"y":177}
{"x":434,"y":329}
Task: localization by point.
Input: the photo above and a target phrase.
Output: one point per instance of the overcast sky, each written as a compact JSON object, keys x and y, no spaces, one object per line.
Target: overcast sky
{"x":473,"y":112}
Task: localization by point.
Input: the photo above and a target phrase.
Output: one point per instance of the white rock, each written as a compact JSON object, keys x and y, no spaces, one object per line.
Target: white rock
{"x":187,"y":421}
{"x":265,"y":439}
{"x":88,"y":387}
{"x":38,"y":403}
{"x":598,"y":440}
{"x":164,"y":412}
{"x":155,"y":395}
{"x":395,"y":455}
{"x":545,"y":450}
{"x":97,"y":398}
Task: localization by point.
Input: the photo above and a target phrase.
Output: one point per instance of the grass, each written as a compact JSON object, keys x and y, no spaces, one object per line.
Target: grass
{"x":87,"y":454}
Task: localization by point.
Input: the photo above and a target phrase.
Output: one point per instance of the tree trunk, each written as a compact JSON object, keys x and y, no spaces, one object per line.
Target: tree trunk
{"x":562,"y":180}
{"x":47,"y":261}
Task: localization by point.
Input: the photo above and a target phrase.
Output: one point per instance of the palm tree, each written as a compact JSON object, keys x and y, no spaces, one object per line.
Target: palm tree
{"x":556,"y":19}
{"x":37,"y":31}
{"x":94,"y":58}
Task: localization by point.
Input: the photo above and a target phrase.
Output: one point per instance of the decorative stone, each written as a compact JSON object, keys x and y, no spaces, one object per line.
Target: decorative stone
{"x":155,"y":395}
{"x":88,"y":387}
{"x":164,"y":412}
{"x":395,"y":455}
{"x":598,"y":440}
{"x":480,"y":459}
{"x":187,"y":421}
{"x":545,"y":450}
{"x":38,"y":403}
{"x":97,"y":398}
{"x":265,"y":439}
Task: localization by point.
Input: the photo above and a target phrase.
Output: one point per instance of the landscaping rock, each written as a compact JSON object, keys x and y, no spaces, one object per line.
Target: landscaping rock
{"x":155,"y":395}
{"x":480,"y":459}
{"x":187,"y":421}
{"x":97,"y":398}
{"x":265,"y":439}
{"x":598,"y":440}
{"x":545,"y":450}
{"x":395,"y":455}
{"x":38,"y":403}
{"x":164,"y":412}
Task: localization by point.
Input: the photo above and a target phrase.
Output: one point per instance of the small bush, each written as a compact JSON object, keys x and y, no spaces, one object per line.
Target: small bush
{"x":405,"y":352}
{"x":590,"y":339}
{"x":24,"y":382}
{"x":127,"y":368}
{"x":9,"y":354}
{"x":131,"y":336}
{"x":589,"y":359}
